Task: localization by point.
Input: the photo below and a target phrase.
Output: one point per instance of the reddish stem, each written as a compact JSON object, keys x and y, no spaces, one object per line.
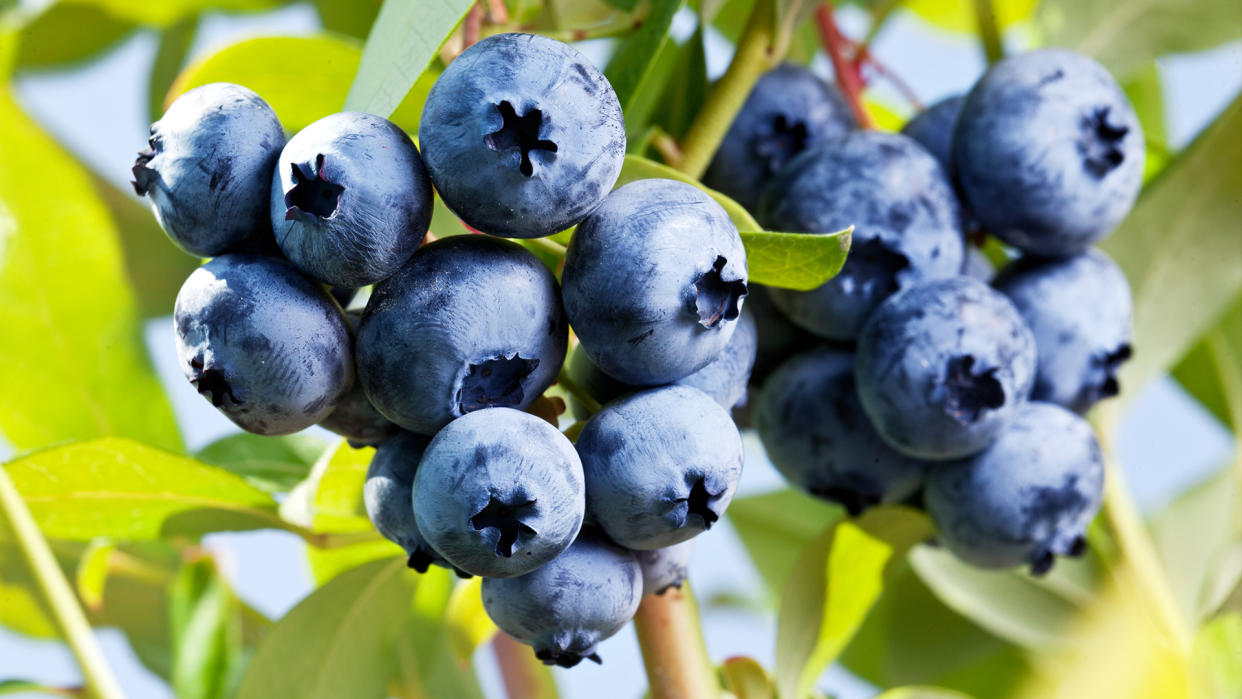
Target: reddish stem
{"x":864,"y":56}
{"x":472,"y":27}
{"x":849,"y":78}
{"x":518,"y":669}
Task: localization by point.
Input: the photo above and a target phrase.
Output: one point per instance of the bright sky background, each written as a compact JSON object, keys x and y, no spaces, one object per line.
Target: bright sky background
{"x":99,"y":112}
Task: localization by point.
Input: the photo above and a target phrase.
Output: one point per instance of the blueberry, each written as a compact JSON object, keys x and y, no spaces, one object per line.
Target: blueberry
{"x":654,"y":281}
{"x":724,"y":378}
{"x":933,"y":129}
{"x":661,"y":466}
{"x":1048,"y":152}
{"x":351,"y":200}
{"x":1079,"y":309}
{"x":942,"y":366}
{"x":469,"y":322}
{"x":1027,"y":497}
{"x":788,"y":111}
{"x":906,"y":217}
{"x":269,"y":348}
{"x":777,"y":337}
{"x":208,"y":167}
{"x":815,"y":432}
{"x":664,"y":568}
{"x":523,"y":137}
{"x":388,"y":497}
{"x":565,"y":608}
{"x":354,"y":417}
{"x":499,"y":493}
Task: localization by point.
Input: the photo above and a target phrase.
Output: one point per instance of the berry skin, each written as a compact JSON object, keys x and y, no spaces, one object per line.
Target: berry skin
{"x":1048,"y":152}
{"x":354,"y":417}
{"x":351,"y":200}
{"x":1079,"y":310}
{"x":933,"y":129}
{"x":499,"y":492}
{"x":942,"y":366}
{"x":664,"y":568}
{"x":661,"y":466}
{"x":724,"y":378}
{"x":815,"y":432}
{"x":388,"y":497}
{"x":565,"y":608}
{"x":469,"y":322}
{"x":208,"y":168}
{"x":269,"y":348}
{"x":523,"y":137}
{"x":976,"y":265}
{"x":1027,"y":497}
{"x":654,"y":281}
{"x":789,"y":110}
{"x":777,"y":338}
{"x":906,"y":217}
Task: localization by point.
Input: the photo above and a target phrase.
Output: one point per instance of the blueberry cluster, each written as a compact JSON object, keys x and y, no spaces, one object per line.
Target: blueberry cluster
{"x":521,"y":138}
{"x":916,"y":375}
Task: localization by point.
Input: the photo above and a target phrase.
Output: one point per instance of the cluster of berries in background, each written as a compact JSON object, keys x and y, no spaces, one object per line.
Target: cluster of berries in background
{"x":911,"y":377}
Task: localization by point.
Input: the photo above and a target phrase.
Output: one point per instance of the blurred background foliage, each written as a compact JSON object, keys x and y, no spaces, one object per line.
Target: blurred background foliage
{"x":98,"y":457}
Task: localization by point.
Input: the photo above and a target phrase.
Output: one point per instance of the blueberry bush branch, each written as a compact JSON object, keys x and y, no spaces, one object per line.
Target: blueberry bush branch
{"x":60,"y":598}
{"x":848,"y":77}
{"x":989,"y":32}
{"x":674,"y":655}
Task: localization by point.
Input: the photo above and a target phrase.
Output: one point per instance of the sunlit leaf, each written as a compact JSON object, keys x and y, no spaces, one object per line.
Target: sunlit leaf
{"x":1126,"y":35}
{"x":92,"y":573}
{"x":922,"y":693}
{"x":747,"y":679}
{"x":428,"y":664}
{"x":1215,"y":669}
{"x":776,"y":527}
{"x":468,"y":624}
{"x":273,"y":464}
{"x":639,"y":168}
{"x":633,"y":62}
{"x":959,"y":15}
{"x":67,"y":33}
{"x":841,"y":575}
{"x":800,"y":261}
{"x":206,"y":633}
{"x":1179,"y":249}
{"x":121,"y":489}
{"x":352,"y":17}
{"x":338,"y":641}
{"x":1212,"y":369}
{"x":403,"y":41}
{"x":72,"y":360}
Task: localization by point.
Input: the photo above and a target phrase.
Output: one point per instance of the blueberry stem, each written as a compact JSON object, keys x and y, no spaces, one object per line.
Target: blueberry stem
{"x":545,"y":245}
{"x":989,"y":32}
{"x":1140,"y":567}
{"x":674,"y":654}
{"x":848,"y":77}
{"x":572,"y":388}
{"x":61,"y":601}
{"x":522,"y":673}
{"x":760,"y":47}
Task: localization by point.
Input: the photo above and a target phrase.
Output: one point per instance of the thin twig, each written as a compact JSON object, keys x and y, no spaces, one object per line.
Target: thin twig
{"x":989,"y":32}
{"x":848,"y":77}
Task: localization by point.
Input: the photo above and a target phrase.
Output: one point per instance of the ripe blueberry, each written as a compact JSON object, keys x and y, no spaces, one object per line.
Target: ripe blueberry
{"x":354,"y":417}
{"x":208,"y":167}
{"x":942,"y":366}
{"x":269,"y":348}
{"x":469,"y":322}
{"x":664,"y":568}
{"x":350,"y":199}
{"x":654,"y":281}
{"x":522,"y":136}
{"x":388,"y":496}
{"x":499,"y":493}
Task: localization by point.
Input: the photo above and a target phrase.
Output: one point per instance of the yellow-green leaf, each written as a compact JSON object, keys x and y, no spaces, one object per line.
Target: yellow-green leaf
{"x":121,"y":489}
{"x":747,"y":679}
{"x":1215,"y":668}
{"x":92,"y":573}
{"x":637,"y":167}
{"x":799,"y":261}
{"x":72,"y":360}
{"x":959,"y":15}
{"x":842,"y":574}
{"x":468,"y":624}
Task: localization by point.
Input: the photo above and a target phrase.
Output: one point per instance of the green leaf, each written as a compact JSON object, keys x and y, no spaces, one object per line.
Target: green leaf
{"x":632,"y":63}
{"x":1179,"y":250}
{"x":911,"y":638}
{"x":1011,"y":605}
{"x":72,"y":360}
{"x":842,"y":575}
{"x":1146,"y":93}
{"x":747,"y":679}
{"x":776,"y":527}
{"x":352,"y":17}
{"x":639,"y":168}
{"x":403,"y":41}
{"x":206,"y":633}
{"x":121,"y":489}
{"x":959,"y":15}
{"x":1212,"y":370}
{"x":801,"y":261}
{"x":922,"y":693}
{"x":686,"y":90}
{"x":67,"y":33}
{"x":273,"y":464}
{"x":24,"y":687}
{"x":174,"y":46}
{"x":338,"y":642}
{"x":1199,"y":538}
{"x":1215,"y":670}
{"x":92,"y":572}
{"x":428,"y":661}
{"x":1125,"y":35}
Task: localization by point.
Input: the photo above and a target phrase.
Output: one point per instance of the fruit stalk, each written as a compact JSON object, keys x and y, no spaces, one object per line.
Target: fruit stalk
{"x":848,"y":78}
{"x":522,"y":675}
{"x":754,"y":56}
{"x":61,"y":601}
{"x":674,"y":654}
{"x":989,"y":33}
